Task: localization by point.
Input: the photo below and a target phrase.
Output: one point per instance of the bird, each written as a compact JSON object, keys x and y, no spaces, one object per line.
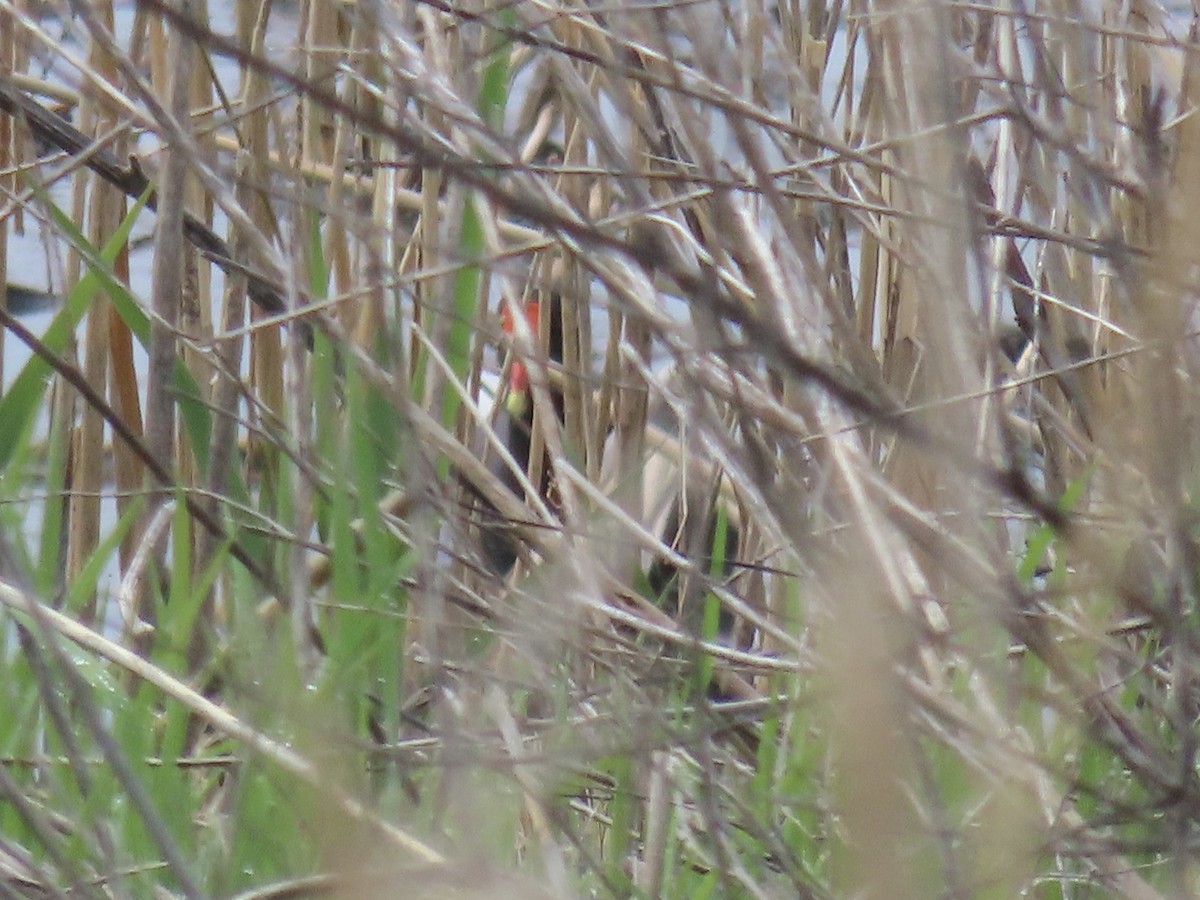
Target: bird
{"x":514,"y":426}
{"x":689,"y":525}
{"x":26,"y":301}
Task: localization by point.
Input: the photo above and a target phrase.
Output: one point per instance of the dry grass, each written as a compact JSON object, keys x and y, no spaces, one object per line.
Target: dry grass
{"x":799,"y":239}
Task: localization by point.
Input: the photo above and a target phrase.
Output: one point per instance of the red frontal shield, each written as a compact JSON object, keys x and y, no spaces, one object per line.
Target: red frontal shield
{"x":518,"y":380}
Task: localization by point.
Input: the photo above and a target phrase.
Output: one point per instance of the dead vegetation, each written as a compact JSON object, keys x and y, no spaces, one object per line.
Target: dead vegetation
{"x":898,"y":298}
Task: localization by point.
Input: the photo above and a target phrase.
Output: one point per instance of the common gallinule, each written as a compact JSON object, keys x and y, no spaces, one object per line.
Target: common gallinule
{"x":514,"y":426}
{"x":688,"y":527}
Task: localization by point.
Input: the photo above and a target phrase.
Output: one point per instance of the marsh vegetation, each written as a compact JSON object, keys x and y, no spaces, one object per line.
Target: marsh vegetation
{"x":686,"y":449}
